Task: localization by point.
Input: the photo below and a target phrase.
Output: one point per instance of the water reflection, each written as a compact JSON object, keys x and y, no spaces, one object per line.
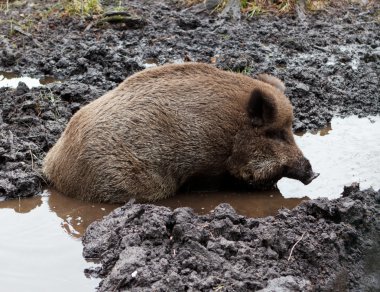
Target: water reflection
{"x":22,"y":205}
{"x":75,"y":215}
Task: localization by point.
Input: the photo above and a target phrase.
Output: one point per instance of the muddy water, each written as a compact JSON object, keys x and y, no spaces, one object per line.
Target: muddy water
{"x":347,"y":150}
{"x":40,"y":249}
{"x":251,"y":204}
{"x":10,"y":79}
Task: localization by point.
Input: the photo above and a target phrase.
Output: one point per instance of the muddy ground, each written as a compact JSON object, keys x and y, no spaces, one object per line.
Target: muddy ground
{"x":330,"y":62}
{"x":153,"y":248}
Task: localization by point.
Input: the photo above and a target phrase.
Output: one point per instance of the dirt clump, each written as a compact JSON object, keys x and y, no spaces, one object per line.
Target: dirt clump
{"x":318,"y":246}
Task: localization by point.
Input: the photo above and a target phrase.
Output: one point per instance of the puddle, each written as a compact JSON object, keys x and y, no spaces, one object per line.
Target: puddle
{"x":40,"y":249}
{"x":10,"y":79}
{"x":346,"y":151}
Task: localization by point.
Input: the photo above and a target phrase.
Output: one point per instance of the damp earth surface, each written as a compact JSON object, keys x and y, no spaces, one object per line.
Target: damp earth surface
{"x":51,"y":65}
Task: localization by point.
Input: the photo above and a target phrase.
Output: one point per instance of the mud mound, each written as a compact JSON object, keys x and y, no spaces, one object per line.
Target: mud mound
{"x":319,"y":245}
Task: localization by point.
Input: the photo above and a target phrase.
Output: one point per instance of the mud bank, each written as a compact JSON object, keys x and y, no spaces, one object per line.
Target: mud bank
{"x":319,"y":246}
{"x":328,"y":60}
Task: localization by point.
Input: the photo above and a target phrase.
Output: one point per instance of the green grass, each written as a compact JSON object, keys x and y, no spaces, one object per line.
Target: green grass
{"x":245,"y":71}
{"x":83,"y":7}
{"x":256,"y":7}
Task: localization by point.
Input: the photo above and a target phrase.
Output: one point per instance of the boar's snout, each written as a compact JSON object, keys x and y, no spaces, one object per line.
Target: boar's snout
{"x":301,"y":171}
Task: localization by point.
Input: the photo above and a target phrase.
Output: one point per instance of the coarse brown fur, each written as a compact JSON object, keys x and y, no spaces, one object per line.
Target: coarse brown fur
{"x":163,"y":125}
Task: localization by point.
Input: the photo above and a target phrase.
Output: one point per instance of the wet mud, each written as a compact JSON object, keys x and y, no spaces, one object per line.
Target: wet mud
{"x":330,"y":62}
{"x":321,"y":245}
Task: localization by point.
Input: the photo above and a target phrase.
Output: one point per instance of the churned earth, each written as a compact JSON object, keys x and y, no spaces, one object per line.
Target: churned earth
{"x":330,"y":62}
{"x":318,"y":246}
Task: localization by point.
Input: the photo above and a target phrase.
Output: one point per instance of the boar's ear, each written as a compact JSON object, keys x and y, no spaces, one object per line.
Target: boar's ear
{"x":274,"y":81}
{"x":261,"y":108}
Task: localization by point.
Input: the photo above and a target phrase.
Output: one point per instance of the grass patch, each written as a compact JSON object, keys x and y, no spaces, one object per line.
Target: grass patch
{"x":316,"y":5}
{"x":83,"y":7}
{"x":256,"y":7}
{"x":247,"y":70}
{"x":252,"y":8}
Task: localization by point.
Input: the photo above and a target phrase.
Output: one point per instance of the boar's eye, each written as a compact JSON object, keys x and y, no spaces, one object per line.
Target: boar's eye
{"x":277,"y":135}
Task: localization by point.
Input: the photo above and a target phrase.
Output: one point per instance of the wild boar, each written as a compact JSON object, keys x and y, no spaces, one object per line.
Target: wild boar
{"x":163,"y":125}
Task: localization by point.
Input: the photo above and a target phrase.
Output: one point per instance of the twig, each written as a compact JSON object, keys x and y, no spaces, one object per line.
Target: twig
{"x":31,"y":156}
{"x":89,"y":26}
{"x":291,"y":251}
{"x":19,"y":29}
{"x":321,"y":49}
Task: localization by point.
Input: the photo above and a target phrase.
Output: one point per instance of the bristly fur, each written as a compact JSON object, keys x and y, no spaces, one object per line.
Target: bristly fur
{"x":274,"y":81}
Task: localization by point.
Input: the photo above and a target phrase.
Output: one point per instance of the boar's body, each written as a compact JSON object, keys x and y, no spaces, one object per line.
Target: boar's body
{"x":163,"y":125}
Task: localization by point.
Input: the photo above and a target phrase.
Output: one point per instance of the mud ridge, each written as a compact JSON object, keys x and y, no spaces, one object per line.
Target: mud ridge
{"x":319,"y":246}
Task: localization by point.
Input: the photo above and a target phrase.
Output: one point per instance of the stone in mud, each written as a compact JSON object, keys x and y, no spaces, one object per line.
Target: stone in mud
{"x":211,"y":4}
{"x":225,"y":251}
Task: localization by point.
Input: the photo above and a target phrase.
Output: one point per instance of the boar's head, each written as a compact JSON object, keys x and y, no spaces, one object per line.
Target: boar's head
{"x":264,"y":150}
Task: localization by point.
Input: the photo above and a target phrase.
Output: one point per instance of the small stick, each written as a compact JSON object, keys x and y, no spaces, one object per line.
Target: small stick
{"x":291,"y":251}
{"x":31,"y":156}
